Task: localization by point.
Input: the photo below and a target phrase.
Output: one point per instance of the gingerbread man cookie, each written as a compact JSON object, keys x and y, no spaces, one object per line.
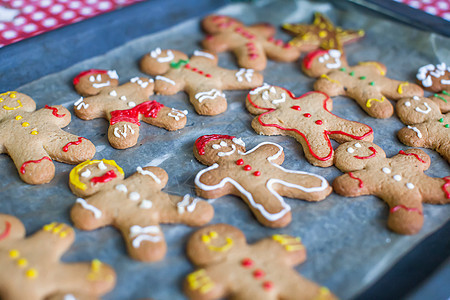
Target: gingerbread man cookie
{"x":256,"y":176}
{"x":321,"y":34}
{"x":229,"y":267}
{"x":33,"y":138}
{"x":436,"y":79}
{"x":136,"y":205}
{"x":252,"y":45}
{"x":199,"y":76}
{"x":123,"y":106}
{"x":306,"y":118}
{"x":427,"y":126}
{"x":31,"y":267}
{"x":398,"y":180}
{"x":365,"y":83}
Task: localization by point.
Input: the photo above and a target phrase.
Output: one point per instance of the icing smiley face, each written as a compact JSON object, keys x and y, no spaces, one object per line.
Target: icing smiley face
{"x":413,"y":110}
{"x":91,"y":82}
{"x":214,"y":147}
{"x":211,"y":239}
{"x":356,"y":155}
{"x":12,"y":101}
{"x":321,"y":62}
{"x":271,"y":94}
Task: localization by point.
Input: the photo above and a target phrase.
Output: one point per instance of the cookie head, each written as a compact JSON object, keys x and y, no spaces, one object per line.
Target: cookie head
{"x":355,"y":155}
{"x":320,"y":62}
{"x":434,"y":78}
{"x":414,"y":110}
{"x":91,"y":82}
{"x":12,"y":102}
{"x":219,"y":23}
{"x":269,"y":96}
{"x":213,"y":243}
{"x":160,"y":61}
{"x":90,"y":176}
{"x":209,"y":149}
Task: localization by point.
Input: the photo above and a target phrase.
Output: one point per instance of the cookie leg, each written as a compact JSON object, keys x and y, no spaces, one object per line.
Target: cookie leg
{"x":415,"y":136}
{"x":123,"y":135}
{"x":144,"y":243}
{"x":207,"y":101}
{"x":69,"y":148}
{"x":374,"y":103}
{"x":443,"y":101}
{"x":251,"y":56}
{"x":298,"y":285}
{"x":436,"y":190}
{"x":316,"y":146}
{"x":342,"y":130}
{"x":88,"y":215}
{"x":405,"y":216}
{"x":168,"y":118}
{"x":401,"y":89}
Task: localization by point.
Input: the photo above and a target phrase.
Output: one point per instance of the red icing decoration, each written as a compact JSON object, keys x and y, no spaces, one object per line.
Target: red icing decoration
{"x":108,"y":176}
{"x":414,"y":154}
{"x":240,"y":162}
{"x":296,"y":107}
{"x":66,"y":147}
{"x":374,"y":152}
{"x":319,"y":122}
{"x":55,"y":111}
{"x":86,"y":73}
{"x":287,"y":46}
{"x":397,"y":207}
{"x":446,"y":184}
{"x":268,"y":285}
{"x":148,"y":109}
{"x":247,"y":262}
{"x":307,"y":115}
{"x":258,"y":274}
{"x":359,"y":179}
{"x":201,"y":142}
{"x":188,"y":66}
{"x":247,"y":168}
{"x":325,"y":132}
{"x":208,"y":75}
{"x":307,"y":61}
{"x":22,"y":168}
{"x":5,"y":232}
{"x":257,"y":173}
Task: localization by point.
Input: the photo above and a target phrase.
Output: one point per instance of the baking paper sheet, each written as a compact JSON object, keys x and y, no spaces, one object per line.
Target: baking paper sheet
{"x":348,"y":243}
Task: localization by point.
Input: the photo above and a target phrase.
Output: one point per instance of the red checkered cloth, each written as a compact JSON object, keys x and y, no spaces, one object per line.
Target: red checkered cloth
{"x":440,"y":8}
{"x":21,"y":19}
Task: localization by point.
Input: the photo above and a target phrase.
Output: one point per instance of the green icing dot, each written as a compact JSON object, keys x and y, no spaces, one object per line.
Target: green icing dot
{"x":446,"y":126}
{"x":362,"y":77}
{"x":352,"y":73}
{"x":342,"y":69}
{"x":372,"y":83}
{"x":441,"y":120}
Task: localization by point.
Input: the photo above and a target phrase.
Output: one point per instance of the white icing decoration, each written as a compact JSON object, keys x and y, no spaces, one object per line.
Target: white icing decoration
{"x":417,"y":98}
{"x":255,"y":91}
{"x":427,"y":82}
{"x":100,"y":85}
{"x":248,"y":195}
{"x":336,"y":54}
{"x":265,"y":95}
{"x":113,"y":74}
{"x":113,"y":93}
{"x":321,"y":60}
{"x":223,"y":144}
{"x":131,"y":104}
{"x":97,"y":213}
{"x":101,"y":166}
{"x":397,"y":177}
{"x":386,"y":170}
{"x":124,"y":131}
{"x":146,"y":172}
{"x":409,"y":185}
{"x":185,"y":204}
{"x":142,"y":84}
{"x":273,"y":90}
{"x":442,"y":66}
{"x":419,"y":134}
{"x":204,"y":54}
{"x":162,"y":78}
{"x":212,"y":94}
{"x":233,"y":149}
{"x":358,"y":145}
{"x":279,"y":100}
{"x":247,"y":73}
{"x":80,"y":103}
{"x":69,"y":297}
{"x":123,"y":98}
{"x":146,"y":204}
{"x":91,"y":78}
{"x":134,"y":196}
{"x":177,"y":114}
{"x":215,"y":146}
{"x":99,"y":77}
{"x":446,"y":82}
{"x":86,"y":173}
{"x":418,"y":109}
{"x":149,"y":233}
{"x":238,"y":141}
{"x":122,"y":188}
{"x":350,"y":150}
{"x":167,"y":58}
{"x":155,"y":53}
{"x":407,"y":104}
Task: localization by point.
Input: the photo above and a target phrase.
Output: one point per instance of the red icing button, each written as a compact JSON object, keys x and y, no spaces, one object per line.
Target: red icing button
{"x":240,"y":162}
{"x":307,"y":115}
{"x":247,"y":262}
{"x":194,"y":69}
{"x":200,"y":72}
{"x":319,"y":122}
{"x":268,"y":285}
{"x":247,"y":167}
{"x":258,"y":274}
{"x":208,"y":75}
{"x":257,"y":173}
{"x":187,"y":66}
{"x":296,"y":107}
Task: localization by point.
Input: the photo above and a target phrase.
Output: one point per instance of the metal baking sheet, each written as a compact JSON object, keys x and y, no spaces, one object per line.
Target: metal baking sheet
{"x":348,"y":243}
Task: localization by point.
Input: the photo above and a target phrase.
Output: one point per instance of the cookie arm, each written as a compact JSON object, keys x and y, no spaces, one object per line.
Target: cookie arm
{"x":415,"y":157}
{"x":144,"y":242}
{"x":287,"y":248}
{"x":187,"y":210}
{"x":88,"y":108}
{"x":352,"y":184}
{"x":89,"y":214}
{"x":55,"y":114}
{"x":168,"y":118}
{"x":11,"y":228}
{"x":240,"y":79}
{"x":435,"y":190}
{"x":68,"y":148}
{"x":405,"y":211}
{"x":55,"y":238}
{"x":279,"y":51}
{"x":273,"y":152}
{"x":207,"y":284}
{"x":167,"y":85}
{"x":342,"y":130}
{"x":395,"y":90}
{"x":207,"y":100}
{"x":210,"y":183}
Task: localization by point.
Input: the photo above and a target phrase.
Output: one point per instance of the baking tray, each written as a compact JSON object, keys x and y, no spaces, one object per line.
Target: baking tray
{"x":349,"y":246}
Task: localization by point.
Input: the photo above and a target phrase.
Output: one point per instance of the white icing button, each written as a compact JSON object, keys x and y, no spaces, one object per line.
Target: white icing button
{"x":122,"y":188}
{"x":350,"y":150}
{"x":223,"y":144}
{"x":123,"y":98}
{"x":409,"y":185}
{"x":113,"y":93}
{"x":416,"y":98}
{"x":91,"y":78}
{"x":397,"y":177}
{"x":134,"y":196}
{"x":146,"y":204}
{"x":358,"y":145}
{"x":99,"y":77}
{"x":131,"y":104}
{"x":407,"y":103}
{"x":386,"y":170}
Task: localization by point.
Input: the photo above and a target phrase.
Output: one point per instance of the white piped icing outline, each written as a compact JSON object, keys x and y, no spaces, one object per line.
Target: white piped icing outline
{"x":151,"y":174}
{"x":97,"y":212}
{"x":418,"y":109}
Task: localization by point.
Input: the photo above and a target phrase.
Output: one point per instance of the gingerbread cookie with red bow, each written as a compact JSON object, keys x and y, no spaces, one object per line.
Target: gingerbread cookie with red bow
{"x":256,"y":176}
{"x":306,"y":118}
{"x":199,"y":76}
{"x":436,"y":79}
{"x":31,"y":267}
{"x":229,"y":267}
{"x":135,"y":205}
{"x":123,"y":106}
{"x":252,"y":45}
{"x":32,"y":138}
{"x":427,"y":126}
{"x":400,"y":181}
{"x":366,"y":82}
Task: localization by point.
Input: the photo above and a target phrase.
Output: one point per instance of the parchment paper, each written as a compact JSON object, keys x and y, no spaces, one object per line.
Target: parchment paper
{"x":348,"y":243}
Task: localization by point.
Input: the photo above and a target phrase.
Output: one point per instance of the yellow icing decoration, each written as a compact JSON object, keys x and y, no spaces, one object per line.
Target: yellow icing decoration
{"x":290,"y":243}
{"x":63,"y":234}
{"x":18,"y":118}
{"x":400,"y":87}
{"x":200,"y":280}
{"x":12,"y":95}
{"x":369,"y":102}
{"x":213,"y":234}
{"x":49,"y":227}
{"x":31,"y":273}
{"x":14,"y":253}
{"x":74,"y":177}
{"x":323,"y":34}
{"x":25,"y":124}
{"x":206,"y":238}
{"x":324,"y":293}
{"x":14,"y":107}
{"x":329,"y":79}
{"x":291,"y":248}
{"x":375,"y":64}
{"x":95,"y":268}
{"x":58,"y":228}
{"x":23,"y":262}
{"x":34,"y":132}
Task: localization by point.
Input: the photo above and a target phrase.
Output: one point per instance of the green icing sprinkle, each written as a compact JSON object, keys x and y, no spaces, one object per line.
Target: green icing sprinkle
{"x":446,"y":126}
{"x":342,"y":69}
{"x":441,"y":120}
{"x":362,"y":77}
{"x":372,"y":83}
{"x":352,"y":73}
{"x":180,"y":63}
{"x":445,"y":93}
{"x":440,"y":97}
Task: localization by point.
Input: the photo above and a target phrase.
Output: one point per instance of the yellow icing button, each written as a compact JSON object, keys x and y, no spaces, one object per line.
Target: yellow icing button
{"x":18,"y":117}
{"x":12,"y":95}
{"x":206,"y":239}
{"x":63,"y":234}
{"x":322,"y":34}
{"x":25,"y":124}
{"x":49,"y":227}
{"x":1,"y":99}
{"x":58,"y":228}
{"x":14,"y":253}
{"x":31,"y":273}
{"x":35,"y":132}
{"x":22,"y":262}
{"x":206,"y":288}
{"x":95,"y":265}
{"x":213,"y":234}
